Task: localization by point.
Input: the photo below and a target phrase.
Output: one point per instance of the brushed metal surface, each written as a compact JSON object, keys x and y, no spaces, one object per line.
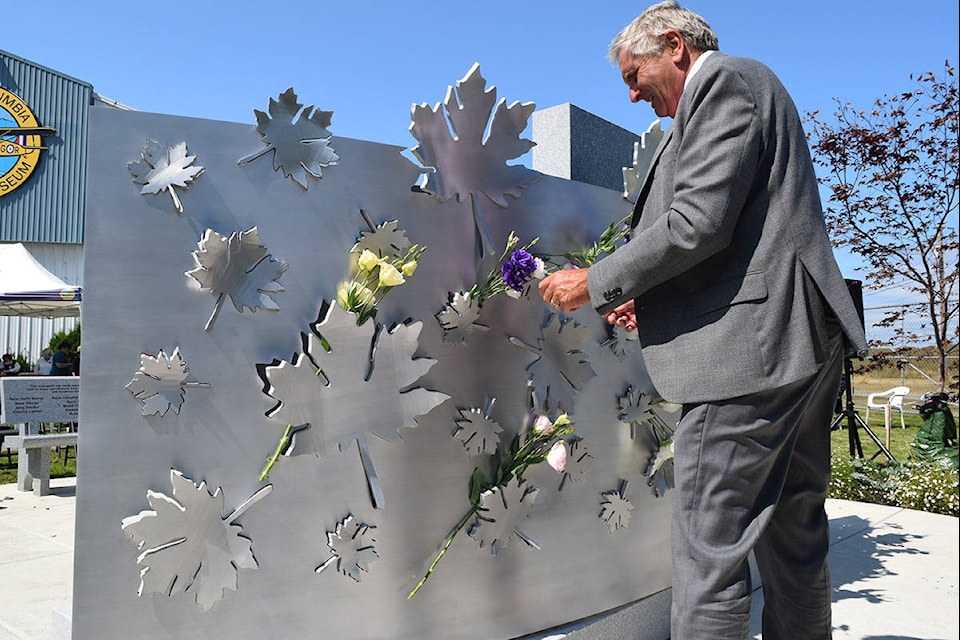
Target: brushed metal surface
{"x":137,"y":299}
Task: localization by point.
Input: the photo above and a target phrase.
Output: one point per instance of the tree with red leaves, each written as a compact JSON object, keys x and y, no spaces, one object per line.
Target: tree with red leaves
{"x":892,"y":174}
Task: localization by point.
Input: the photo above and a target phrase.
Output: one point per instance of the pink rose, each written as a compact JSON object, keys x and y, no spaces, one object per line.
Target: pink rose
{"x":543,"y":425}
{"x":557,"y":457}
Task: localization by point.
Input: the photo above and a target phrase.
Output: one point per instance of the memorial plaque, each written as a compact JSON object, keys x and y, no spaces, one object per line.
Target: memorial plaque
{"x":39,"y":399}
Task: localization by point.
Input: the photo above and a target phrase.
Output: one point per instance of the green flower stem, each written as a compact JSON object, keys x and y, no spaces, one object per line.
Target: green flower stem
{"x":533,"y":451}
{"x":272,"y":460}
{"x":605,"y":244}
{"x":460,"y":525}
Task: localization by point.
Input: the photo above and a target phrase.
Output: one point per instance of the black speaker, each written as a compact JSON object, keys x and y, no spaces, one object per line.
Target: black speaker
{"x":855,"y":287}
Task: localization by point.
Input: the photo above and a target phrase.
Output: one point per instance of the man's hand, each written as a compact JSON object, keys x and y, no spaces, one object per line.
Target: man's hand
{"x":565,"y":290}
{"x":624,"y":316}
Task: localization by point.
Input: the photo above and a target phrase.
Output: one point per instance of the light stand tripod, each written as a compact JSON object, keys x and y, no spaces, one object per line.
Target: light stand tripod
{"x":853,"y":419}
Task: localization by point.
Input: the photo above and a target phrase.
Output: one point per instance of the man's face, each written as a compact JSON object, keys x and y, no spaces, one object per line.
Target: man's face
{"x":654,"y":79}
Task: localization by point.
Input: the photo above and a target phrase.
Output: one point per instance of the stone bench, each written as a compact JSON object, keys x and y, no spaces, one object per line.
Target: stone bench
{"x":33,"y":462}
{"x":5,"y":448}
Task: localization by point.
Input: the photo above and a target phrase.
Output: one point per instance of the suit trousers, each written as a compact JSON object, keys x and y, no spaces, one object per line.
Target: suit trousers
{"x":752,"y":474}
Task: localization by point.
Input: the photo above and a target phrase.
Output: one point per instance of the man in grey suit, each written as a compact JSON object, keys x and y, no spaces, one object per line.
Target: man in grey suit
{"x":742,"y":315}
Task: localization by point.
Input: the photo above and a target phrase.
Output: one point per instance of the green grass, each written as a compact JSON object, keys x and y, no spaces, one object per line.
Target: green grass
{"x":900,"y":438}
{"x":58,"y":468}
{"x":902,"y":482}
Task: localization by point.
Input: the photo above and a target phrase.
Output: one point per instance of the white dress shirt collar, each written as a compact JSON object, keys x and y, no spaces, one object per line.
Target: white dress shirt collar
{"x":696,"y":66}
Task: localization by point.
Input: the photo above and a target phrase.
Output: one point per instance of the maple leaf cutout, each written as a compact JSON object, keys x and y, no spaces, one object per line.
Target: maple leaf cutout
{"x":240,"y":267}
{"x":561,"y":368}
{"x":464,"y":163}
{"x":642,"y":155}
{"x":161,"y":382}
{"x":638,"y":409}
{"x":578,"y":460}
{"x":500,"y":514}
{"x":635,"y":409}
{"x":352,"y":548}
{"x":185,"y":544}
{"x":299,"y":139}
{"x":621,"y":342}
{"x":161,"y":168}
{"x":458,"y":318}
{"x":383,"y":240}
{"x":659,"y":471}
{"x":615,"y":508}
{"x":365,"y":383}
{"x":477,"y":432}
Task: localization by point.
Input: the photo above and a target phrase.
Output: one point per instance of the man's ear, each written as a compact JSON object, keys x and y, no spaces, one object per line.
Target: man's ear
{"x":675,"y":48}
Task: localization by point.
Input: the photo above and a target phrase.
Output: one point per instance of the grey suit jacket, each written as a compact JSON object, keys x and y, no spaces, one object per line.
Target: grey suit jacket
{"x":730,"y":266}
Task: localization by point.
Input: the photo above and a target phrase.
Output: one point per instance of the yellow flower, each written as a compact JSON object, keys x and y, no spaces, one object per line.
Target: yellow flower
{"x":561,"y":421}
{"x":408,"y":268}
{"x":389,"y":276}
{"x":353,"y":296}
{"x":362,"y":295}
{"x":342,"y":292}
{"x":367,"y":260}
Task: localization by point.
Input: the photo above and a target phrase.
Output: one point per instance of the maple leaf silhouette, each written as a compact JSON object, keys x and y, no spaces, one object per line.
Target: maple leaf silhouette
{"x":642,"y":154}
{"x":464,"y":163}
{"x":383,"y":240}
{"x":161,"y":382}
{"x":659,"y":471}
{"x":615,"y":509}
{"x":161,"y":168}
{"x":352,"y":548}
{"x":561,"y":368}
{"x":342,"y":395}
{"x":477,"y":432}
{"x":636,"y":408}
{"x":458,"y":318}
{"x":578,"y":460}
{"x":187,"y":546}
{"x":299,"y":139}
{"x":500,"y":514}
{"x":239,"y":267}
{"x":622,"y":342}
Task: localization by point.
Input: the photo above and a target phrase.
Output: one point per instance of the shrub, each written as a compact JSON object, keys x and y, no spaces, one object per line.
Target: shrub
{"x":25,"y":365}
{"x":72,"y":338}
{"x":911,"y":485}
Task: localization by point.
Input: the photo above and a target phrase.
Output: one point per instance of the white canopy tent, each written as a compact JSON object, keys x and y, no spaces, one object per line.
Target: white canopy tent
{"x":27,"y":289}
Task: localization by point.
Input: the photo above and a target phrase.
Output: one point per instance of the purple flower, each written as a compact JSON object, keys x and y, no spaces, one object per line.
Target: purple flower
{"x":518,"y":269}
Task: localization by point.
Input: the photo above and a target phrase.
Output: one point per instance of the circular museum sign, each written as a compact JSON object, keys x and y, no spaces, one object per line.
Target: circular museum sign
{"x":19,"y":142}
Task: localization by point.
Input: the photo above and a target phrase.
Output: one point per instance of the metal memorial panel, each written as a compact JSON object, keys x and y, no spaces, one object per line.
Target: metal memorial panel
{"x":300,"y":478}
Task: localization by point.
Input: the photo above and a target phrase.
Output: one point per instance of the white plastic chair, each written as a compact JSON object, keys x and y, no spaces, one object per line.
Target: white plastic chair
{"x":892,"y":399}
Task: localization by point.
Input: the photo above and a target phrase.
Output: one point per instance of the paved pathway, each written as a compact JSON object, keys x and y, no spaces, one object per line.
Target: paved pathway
{"x":895,"y":572}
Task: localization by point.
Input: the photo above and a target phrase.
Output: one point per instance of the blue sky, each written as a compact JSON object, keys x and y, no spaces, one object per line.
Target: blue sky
{"x":370,"y":61}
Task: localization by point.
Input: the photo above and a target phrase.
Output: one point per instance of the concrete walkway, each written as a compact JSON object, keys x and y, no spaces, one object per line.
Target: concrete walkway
{"x":36,"y":561}
{"x":895,"y":571}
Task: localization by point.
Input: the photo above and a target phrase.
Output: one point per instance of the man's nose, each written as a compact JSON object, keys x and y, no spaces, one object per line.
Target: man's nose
{"x":634,"y":94}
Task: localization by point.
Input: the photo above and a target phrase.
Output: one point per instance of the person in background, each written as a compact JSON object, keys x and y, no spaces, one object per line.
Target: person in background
{"x":62,"y":363}
{"x":10,"y":365}
{"x":75,"y":363}
{"x":44,"y":362}
{"x":741,"y":311}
